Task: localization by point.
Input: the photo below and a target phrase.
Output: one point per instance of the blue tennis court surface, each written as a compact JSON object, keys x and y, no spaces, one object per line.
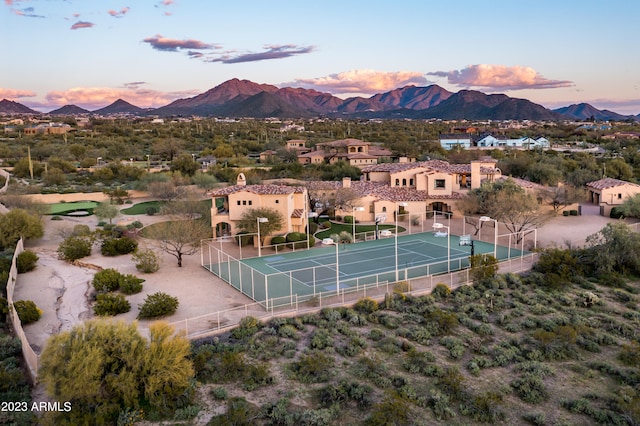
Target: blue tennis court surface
{"x":326,"y":269}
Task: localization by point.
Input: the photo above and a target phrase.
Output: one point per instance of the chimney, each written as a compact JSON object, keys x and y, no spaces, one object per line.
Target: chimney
{"x":476,"y":177}
{"x":346,"y":182}
{"x":241,"y":181}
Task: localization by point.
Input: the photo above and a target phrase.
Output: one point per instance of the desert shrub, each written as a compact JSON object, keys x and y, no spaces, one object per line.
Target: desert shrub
{"x":440,"y":405}
{"x":344,"y":392}
{"x":74,"y":248}
{"x":130,"y":284}
{"x":137,"y":224}
{"x":27,"y":311}
{"x":313,"y":367}
{"x":483,"y":267}
{"x":530,"y":388}
{"x":485,"y":407}
{"x":106,"y":280}
{"x":445,"y":322}
{"x":452,"y":382}
{"x":558,"y":267}
{"x":247,"y":327}
{"x":376,"y":334}
{"x":441,"y":291}
{"x":456,"y":346}
{"x":366,"y":306}
{"x":118,"y":246}
{"x":418,"y":362}
{"x":81,"y":230}
{"x":321,"y":339}
{"x":152,"y":210}
{"x":157,"y":305}
{"x":630,"y":354}
{"x":146,"y":260}
{"x":109,"y":304}
{"x":219,"y":393}
{"x":26,"y":261}
{"x":392,"y":410}
{"x":9,"y":346}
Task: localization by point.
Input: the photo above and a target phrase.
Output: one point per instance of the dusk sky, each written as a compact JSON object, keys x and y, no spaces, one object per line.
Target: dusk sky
{"x":149,"y":53}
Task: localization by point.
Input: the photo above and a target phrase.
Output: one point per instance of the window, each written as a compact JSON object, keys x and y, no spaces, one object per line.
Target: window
{"x":404,"y":182}
{"x":410,"y":182}
{"x":439,"y":183}
{"x":619,"y":196}
{"x":384,"y":210}
{"x":397,"y":182}
{"x":277,"y":201}
{"x":250,"y":202}
{"x":244,"y":202}
{"x":238,"y":202}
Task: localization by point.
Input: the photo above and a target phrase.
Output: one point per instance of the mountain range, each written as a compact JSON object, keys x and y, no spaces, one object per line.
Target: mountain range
{"x":243,"y":98}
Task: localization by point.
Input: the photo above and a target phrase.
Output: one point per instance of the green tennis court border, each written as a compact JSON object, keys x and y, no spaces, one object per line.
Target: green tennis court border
{"x":305,"y":274}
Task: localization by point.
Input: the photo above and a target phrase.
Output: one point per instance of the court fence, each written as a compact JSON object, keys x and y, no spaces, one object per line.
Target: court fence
{"x":293,"y":305}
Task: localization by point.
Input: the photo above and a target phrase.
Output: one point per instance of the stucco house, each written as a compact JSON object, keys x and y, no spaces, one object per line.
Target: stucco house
{"x":356,"y":152}
{"x":609,"y":193}
{"x":230,"y":203}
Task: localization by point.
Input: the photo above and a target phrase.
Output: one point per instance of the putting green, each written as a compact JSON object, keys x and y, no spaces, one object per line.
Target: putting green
{"x":66,"y":208}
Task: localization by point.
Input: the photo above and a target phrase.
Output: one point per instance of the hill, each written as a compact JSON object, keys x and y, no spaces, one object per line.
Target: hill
{"x":120,"y":107}
{"x":70,"y":110}
{"x":586,"y":111}
{"x":11,"y":107}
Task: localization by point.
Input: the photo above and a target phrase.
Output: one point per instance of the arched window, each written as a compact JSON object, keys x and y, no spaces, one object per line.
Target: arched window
{"x":410,"y":182}
{"x":397,"y":182}
{"x":404,"y":182}
{"x":384,"y":210}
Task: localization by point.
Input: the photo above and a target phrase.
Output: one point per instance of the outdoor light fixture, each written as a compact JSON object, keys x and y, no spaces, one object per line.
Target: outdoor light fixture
{"x":495,"y":233}
{"x":439,"y":225}
{"x":353,"y":218}
{"x":397,"y":213}
{"x":329,"y":241}
{"x":260,"y":220}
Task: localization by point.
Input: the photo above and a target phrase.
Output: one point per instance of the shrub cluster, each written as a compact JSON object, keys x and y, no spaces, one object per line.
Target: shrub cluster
{"x":74,"y":248}
{"x":157,"y":305}
{"x":118,"y":246}
{"x":27,"y":311}
{"x":110,"y":279}
{"x":108,"y":304}
{"x":146,"y":260}
{"x":26,"y":261}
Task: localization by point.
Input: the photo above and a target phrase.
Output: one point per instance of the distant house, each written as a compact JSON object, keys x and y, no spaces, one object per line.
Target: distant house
{"x":450,"y":141}
{"x":609,"y":193}
{"x":356,"y":152}
{"x":525,"y":142}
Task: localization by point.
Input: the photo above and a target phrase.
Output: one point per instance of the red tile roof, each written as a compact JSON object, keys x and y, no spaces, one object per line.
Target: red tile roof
{"x":258,"y":189}
{"x":607,"y":183}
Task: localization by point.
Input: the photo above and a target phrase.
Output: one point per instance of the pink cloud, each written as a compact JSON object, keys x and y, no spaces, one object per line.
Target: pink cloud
{"x":82,"y":24}
{"x":500,"y":77}
{"x":98,"y":97}
{"x":119,"y":14}
{"x":167,"y":2}
{"x":15,"y":94}
{"x":172,"y":45}
{"x":362,"y":81}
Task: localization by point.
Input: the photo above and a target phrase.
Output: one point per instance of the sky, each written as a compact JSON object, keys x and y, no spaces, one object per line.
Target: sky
{"x":89,"y":53}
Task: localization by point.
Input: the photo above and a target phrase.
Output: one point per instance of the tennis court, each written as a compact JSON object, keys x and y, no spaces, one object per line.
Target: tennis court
{"x":328,"y":269}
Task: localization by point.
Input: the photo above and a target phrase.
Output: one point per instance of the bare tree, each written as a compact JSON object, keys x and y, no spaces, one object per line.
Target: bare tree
{"x":181,"y":235}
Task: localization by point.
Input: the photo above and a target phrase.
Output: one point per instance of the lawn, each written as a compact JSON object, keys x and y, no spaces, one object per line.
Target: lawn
{"x":337,"y":228}
{"x":66,"y":208}
{"x":141,"y":208}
